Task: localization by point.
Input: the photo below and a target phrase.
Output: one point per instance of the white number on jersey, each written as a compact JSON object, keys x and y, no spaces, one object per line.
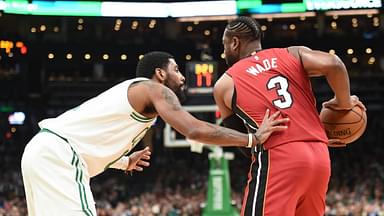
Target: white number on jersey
{"x":280,"y":84}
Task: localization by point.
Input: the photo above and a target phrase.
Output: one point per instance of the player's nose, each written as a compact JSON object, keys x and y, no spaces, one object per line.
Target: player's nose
{"x":182,"y":78}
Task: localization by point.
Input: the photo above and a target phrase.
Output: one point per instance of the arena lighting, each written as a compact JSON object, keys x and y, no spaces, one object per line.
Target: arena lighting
{"x":264,"y":28}
{"x":345,"y":4}
{"x":43,"y":28}
{"x":283,"y":15}
{"x":16,"y":118}
{"x":7,"y":45}
{"x":208,"y":18}
{"x":368,"y":50}
{"x":259,"y":7}
{"x":87,"y":56}
{"x":134,"y":9}
{"x":207,"y":32}
{"x":334,"y":25}
{"x":203,"y":8}
{"x":23,"y":50}
{"x":351,"y":12}
{"x":67,"y":8}
{"x":10,"y":46}
{"x":371,"y":60}
{"x":2,"y":5}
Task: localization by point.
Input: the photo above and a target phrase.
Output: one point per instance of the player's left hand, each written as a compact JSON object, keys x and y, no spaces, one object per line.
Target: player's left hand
{"x":138,"y":160}
{"x":269,"y":125}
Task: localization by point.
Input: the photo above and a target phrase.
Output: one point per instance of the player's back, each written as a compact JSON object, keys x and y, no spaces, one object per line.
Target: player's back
{"x":274,"y":79}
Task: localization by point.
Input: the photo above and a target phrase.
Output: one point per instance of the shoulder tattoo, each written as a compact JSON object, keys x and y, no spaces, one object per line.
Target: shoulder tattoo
{"x":171,"y":99}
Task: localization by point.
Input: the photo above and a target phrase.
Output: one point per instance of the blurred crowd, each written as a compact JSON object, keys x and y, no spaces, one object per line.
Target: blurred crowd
{"x":176,"y":182}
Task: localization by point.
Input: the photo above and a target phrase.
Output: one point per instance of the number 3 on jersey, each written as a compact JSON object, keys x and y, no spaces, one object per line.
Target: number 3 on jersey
{"x":280,"y":84}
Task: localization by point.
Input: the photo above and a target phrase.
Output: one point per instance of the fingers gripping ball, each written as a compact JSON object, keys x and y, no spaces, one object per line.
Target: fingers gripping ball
{"x":346,"y":125}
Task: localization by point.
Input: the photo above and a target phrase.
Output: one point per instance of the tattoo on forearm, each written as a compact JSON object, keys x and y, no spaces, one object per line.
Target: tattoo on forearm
{"x":171,"y":99}
{"x":220,"y":132}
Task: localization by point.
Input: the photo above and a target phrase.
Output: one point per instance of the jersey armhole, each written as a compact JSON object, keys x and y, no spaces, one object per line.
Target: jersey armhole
{"x":298,"y":61}
{"x":228,"y":73}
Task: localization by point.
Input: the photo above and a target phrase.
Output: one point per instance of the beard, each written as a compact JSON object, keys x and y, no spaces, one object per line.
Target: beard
{"x":178,"y":90}
{"x":230,"y":60}
{"x":181,"y":95}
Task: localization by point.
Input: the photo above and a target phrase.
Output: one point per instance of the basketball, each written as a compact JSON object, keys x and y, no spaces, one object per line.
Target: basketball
{"x":346,"y":125}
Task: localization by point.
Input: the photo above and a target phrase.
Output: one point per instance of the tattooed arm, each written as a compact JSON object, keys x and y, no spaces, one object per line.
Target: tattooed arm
{"x":169,"y":109}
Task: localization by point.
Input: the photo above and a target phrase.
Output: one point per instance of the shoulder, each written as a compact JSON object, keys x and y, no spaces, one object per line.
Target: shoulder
{"x":297,"y":50}
{"x":223,"y":84}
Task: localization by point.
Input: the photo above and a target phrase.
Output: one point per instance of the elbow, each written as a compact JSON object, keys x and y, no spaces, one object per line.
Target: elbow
{"x":336,"y":65}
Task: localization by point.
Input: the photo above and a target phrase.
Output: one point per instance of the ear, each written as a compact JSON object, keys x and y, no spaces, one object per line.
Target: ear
{"x":235,"y":43}
{"x":160,"y":74}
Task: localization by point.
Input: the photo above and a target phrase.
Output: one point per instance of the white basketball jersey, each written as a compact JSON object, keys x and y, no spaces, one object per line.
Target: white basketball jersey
{"x":102,"y":129}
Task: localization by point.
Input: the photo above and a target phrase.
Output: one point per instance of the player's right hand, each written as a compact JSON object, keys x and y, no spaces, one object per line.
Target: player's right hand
{"x":269,"y":125}
{"x":335,"y":104}
{"x":138,"y":160}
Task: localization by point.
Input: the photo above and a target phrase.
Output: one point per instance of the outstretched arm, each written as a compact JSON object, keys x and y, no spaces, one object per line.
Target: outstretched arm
{"x":170,"y":110}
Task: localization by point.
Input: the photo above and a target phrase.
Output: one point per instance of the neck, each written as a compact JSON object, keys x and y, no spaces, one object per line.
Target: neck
{"x":251,"y":49}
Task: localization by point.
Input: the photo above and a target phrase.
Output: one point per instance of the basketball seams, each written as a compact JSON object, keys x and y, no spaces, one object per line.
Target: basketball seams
{"x":358,"y":117}
{"x":346,"y":123}
{"x":356,"y":132}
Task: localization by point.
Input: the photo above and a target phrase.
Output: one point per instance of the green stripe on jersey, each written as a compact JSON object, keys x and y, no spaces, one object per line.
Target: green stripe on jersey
{"x":140,"y":118}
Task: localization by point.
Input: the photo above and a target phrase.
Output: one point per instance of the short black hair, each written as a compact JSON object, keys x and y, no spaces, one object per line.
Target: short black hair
{"x":245,"y":27}
{"x":147,"y":65}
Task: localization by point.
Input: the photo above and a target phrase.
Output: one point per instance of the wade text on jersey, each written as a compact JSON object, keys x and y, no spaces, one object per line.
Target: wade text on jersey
{"x":262,"y":66}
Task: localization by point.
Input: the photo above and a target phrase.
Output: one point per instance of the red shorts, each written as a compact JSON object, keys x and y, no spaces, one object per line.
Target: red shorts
{"x":288,"y":180}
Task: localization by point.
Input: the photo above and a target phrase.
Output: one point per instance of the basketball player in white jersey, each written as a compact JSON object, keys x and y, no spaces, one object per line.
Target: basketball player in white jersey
{"x":84,"y":141}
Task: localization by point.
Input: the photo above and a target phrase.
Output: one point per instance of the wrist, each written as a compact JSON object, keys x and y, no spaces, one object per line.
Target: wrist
{"x":257,"y":139}
{"x":127,"y":160}
{"x":250,"y":141}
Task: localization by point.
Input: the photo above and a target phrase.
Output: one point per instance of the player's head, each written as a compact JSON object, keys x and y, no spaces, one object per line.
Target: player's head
{"x":241,"y":36}
{"x":162,"y":67}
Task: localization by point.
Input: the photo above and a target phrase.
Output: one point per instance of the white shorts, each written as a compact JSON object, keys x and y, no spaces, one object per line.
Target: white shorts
{"x":55,"y":179}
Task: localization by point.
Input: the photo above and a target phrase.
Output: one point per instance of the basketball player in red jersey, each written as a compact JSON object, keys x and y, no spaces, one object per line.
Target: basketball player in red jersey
{"x":290,"y":170}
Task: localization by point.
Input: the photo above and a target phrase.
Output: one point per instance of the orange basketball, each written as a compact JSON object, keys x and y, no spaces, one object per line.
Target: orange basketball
{"x":346,"y":125}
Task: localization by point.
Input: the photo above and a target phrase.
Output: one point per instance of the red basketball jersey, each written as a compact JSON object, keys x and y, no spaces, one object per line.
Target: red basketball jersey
{"x":274,"y":79}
